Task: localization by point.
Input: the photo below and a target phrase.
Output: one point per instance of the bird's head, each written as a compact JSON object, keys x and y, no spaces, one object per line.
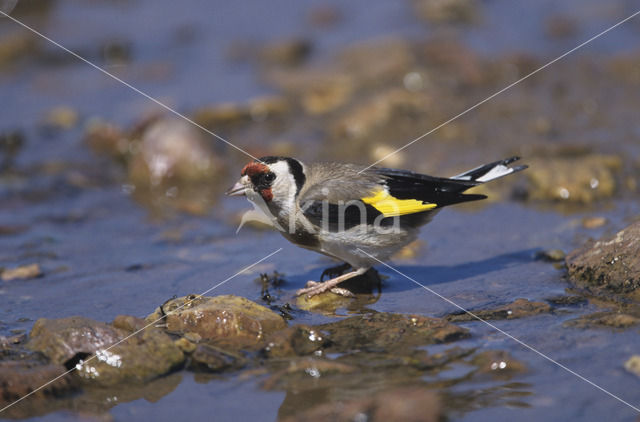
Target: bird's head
{"x":274,"y":180}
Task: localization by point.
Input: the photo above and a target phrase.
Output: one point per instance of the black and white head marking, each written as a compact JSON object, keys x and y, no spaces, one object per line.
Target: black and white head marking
{"x":295,"y":168}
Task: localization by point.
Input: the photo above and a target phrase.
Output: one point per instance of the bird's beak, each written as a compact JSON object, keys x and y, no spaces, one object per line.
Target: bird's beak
{"x":237,"y":190}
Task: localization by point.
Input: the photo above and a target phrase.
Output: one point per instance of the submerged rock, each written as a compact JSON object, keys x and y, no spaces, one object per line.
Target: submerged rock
{"x":207,"y":358}
{"x":106,"y":354}
{"x":498,"y":364}
{"x":398,"y":404}
{"x":609,"y":265}
{"x":386,"y":330}
{"x":520,"y":308}
{"x":20,"y":377}
{"x":612,"y":319}
{"x":298,"y":340}
{"x":227,"y":319}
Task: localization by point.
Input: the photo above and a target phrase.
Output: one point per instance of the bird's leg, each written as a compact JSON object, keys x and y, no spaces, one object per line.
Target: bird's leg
{"x":314,"y":288}
{"x":335,"y":271}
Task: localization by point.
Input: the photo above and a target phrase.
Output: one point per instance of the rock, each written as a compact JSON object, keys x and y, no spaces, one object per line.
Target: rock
{"x":579,"y":179}
{"x":107,"y":139}
{"x":106,"y":354}
{"x":611,"y":264}
{"x":551,"y":255}
{"x":21,"y":273}
{"x":207,"y":358}
{"x":320,"y":91}
{"x":11,"y":143}
{"x":397,"y":404}
{"x":563,"y":300}
{"x":559,"y":26}
{"x":393,"y":331}
{"x":15,"y":45}
{"x":593,"y":222}
{"x":520,"y":308}
{"x":61,"y":118}
{"x":384,"y":109}
{"x":171,"y":151}
{"x":298,"y":340}
{"x":454,"y":63}
{"x":21,"y":377}
{"x":185,"y":345}
{"x":604,"y":319}
{"x":286,"y":53}
{"x":61,"y":339}
{"x":633,"y":365}
{"x":447,"y":11}
{"x":362,"y":61}
{"x":222,"y":115}
{"x":228,"y":320}
{"x":298,"y":372}
{"x":498,"y":364}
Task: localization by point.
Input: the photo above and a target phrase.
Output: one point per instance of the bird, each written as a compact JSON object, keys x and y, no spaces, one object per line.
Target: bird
{"x":360,"y":216}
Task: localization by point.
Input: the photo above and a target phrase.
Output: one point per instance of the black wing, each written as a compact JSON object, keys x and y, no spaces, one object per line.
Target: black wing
{"x":405,"y":184}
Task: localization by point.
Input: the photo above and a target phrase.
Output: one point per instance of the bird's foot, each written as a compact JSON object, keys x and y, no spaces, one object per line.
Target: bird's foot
{"x":335,"y":271}
{"x":314,"y":288}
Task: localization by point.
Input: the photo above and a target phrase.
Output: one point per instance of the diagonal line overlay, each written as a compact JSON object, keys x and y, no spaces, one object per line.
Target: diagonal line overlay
{"x":143,"y":328}
{"x":128,"y":85}
{"x":536,"y":351}
{"x":473,"y":107}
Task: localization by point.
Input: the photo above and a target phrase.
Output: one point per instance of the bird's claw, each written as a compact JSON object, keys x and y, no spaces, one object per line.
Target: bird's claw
{"x":314,"y":288}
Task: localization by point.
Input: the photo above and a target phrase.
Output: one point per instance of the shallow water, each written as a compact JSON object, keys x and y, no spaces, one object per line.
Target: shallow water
{"x":103,"y":254}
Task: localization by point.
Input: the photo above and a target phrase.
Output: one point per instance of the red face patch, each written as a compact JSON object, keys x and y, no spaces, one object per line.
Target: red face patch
{"x":266,"y":194}
{"x":253,"y":169}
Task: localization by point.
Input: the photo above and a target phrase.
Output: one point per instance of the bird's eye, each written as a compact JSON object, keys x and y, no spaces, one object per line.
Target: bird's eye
{"x":270,"y":177}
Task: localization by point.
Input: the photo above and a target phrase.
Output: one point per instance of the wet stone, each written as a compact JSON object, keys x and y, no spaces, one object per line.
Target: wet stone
{"x":399,"y":404}
{"x":390,"y":331}
{"x":227,"y":319}
{"x":298,"y":340}
{"x":362,"y":61}
{"x":61,"y":339}
{"x":21,"y":273}
{"x":286,"y":53}
{"x":593,"y":222}
{"x":551,"y":255}
{"x":447,"y":11}
{"x":609,"y":265}
{"x":207,"y":358}
{"x":90,"y":346}
{"x":363,"y":121}
{"x":21,"y":377}
{"x":520,"y":308}
{"x":577,"y":179}
{"x":566,"y":300}
{"x":604,"y":319}
{"x":498,"y":364}
{"x":633,"y":365}
{"x":171,"y":150}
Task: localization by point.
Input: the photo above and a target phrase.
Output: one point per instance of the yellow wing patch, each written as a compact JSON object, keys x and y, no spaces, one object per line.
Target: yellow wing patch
{"x":391,"y":206}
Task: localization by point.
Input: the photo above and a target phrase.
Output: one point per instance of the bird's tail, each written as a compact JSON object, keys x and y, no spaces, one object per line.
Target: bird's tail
{"x":490,"y":171}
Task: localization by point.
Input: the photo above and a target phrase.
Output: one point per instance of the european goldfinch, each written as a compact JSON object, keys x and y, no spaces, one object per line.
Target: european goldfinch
{"x":351,"y":215}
